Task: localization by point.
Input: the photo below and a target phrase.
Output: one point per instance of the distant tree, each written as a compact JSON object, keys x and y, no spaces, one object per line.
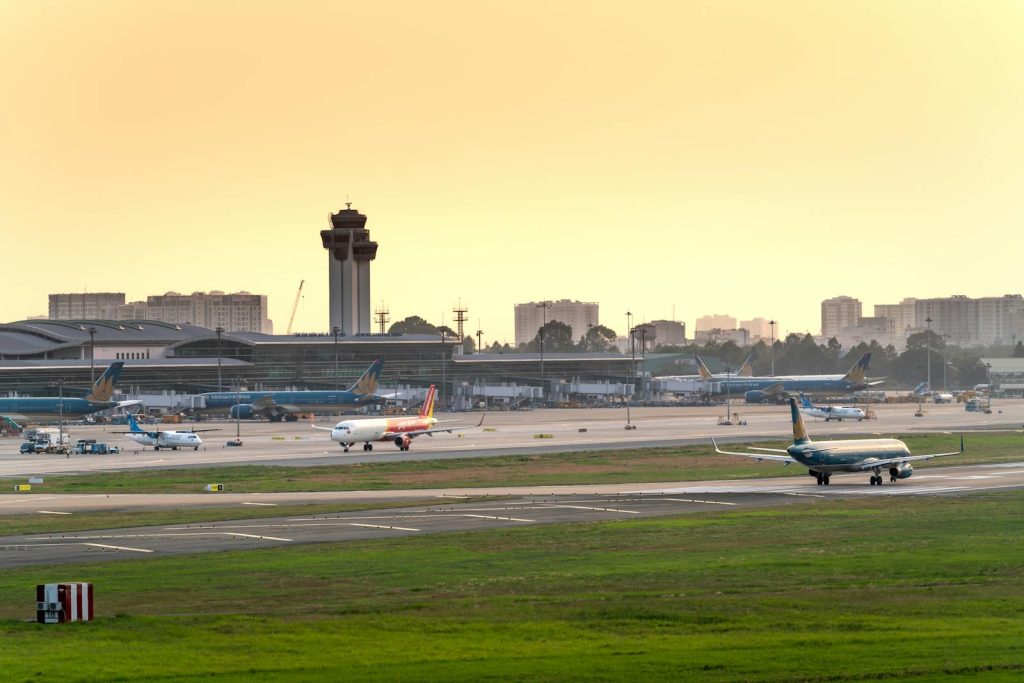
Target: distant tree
{"x":1018,"y":350}
{"x":557,"y":338}
{"x":468,"y":345}
{"x":598,"y":338}
{"x":922,"y":340}
{"x":413,"y":325}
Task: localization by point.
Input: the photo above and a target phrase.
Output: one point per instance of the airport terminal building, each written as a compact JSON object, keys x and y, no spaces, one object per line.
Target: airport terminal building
{"x":37,"y":356}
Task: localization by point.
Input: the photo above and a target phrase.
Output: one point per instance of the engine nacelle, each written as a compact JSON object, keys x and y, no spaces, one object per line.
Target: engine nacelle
{"x":755,"y":396}
{"x":904,"y":471}
{"x":241,"y":411}
{"x":402,"y":442}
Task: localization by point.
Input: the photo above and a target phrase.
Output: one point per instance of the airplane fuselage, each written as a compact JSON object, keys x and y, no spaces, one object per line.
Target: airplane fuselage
{"x":167,"y":439}
{"x":834,"y":413}
{"x":50,"y":408}
{"x":850,"y":455}
{"x":378,"y":429}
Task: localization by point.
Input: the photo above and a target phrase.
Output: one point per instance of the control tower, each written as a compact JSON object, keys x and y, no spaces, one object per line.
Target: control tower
{"x":349,"y":252}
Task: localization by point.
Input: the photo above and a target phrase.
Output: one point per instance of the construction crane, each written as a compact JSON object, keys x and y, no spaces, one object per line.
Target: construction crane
{"x":295,"y":307}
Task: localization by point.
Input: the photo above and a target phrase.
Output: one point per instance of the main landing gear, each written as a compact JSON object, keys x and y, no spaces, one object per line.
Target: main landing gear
{"x":367,"y":446}
{"x":822,"y":477}
{"x":876,"y":480}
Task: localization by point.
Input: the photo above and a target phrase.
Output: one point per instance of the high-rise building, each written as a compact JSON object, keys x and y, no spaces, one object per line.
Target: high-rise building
{"x":86,"y":306}
{"x":715,"y":322}
{"x":668,"y":332}
{"x":962,"y":321}
{"x":837,"y":313}
{"x":902,"y":319}
{"x":237,"y":312}
{"x":349,"y":253}
{"x":579,"y":315}
{"x":759,"y":328}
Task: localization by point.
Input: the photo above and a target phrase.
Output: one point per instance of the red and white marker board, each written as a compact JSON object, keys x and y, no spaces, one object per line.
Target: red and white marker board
{"x":57,"y":603}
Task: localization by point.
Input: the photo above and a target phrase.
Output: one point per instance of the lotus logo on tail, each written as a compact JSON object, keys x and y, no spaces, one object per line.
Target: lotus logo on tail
{"x":702,"y":369}
{"x":103,"y":390}
{"x":367,"y":384}
{"x":858,"y":373}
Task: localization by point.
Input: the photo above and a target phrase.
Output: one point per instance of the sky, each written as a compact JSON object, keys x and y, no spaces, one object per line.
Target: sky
{"x":748,"y":158}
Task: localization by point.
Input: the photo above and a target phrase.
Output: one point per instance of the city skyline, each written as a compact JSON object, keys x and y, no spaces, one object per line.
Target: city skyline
{"x":187,"y":146}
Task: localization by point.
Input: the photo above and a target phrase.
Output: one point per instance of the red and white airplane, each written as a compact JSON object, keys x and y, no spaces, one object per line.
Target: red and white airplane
{"x":399,"y":430}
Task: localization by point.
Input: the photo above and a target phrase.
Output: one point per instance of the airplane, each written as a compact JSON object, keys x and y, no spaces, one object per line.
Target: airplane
{"x":50,"y":408}
{"x":703,"y":373}
{"x":762,"y":389}
{"x":283,"y":405}
{"x":164,"y":438}
{"x":838,"y":413}
{"x":400,"y":430}
{"x":824,"y":458}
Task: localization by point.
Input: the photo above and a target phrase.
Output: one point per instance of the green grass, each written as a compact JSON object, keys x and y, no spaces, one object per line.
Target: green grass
{"x":687,"y":463}
{"x":907,"y":588}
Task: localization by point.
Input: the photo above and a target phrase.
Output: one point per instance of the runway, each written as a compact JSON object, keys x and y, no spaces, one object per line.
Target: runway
{"x":524,"y":507}
{"x":511,"y":433}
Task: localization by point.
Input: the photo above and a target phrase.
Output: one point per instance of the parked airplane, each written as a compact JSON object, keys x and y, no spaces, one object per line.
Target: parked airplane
{"x":838,"y":413}
{"x":400,"y":430}
{"x":51,"y":408}
{"x":703,"y":373}
{"x":823,"y":458}
{"x":164,"y":438}
{"x":762,"y":389}
{"x":283,"y":405}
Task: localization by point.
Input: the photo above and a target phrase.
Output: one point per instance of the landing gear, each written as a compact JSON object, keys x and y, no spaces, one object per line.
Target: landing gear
{"x":344,"y":447}
{"x":823,"y":479}
{"x":876,"y":480}
{"x":367,"y":446}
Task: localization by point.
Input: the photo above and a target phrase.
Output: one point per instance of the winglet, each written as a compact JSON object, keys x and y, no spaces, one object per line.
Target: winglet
{"x":480,"y":423}
{"x":961,"y":443}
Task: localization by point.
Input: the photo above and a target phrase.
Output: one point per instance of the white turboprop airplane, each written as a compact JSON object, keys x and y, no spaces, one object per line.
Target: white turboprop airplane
{"x":158,"y":439}
{"x":824,"y":458}
{"x":399,"y":430}
{"x":837,"y":413}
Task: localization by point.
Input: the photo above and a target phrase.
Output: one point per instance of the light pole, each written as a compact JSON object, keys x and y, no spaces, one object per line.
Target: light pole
{"x":772,"y":323}
{"x":92,"y":355}
{"x":928,"y":346}
{"x":479,"y":340}
{"x":220,"y":382}
{"x":335,"y":330}
{"x":444,"y":376}
{"x":728,"y":395}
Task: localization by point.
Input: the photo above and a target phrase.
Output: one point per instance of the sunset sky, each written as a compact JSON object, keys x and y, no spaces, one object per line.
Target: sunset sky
{"x":749,"y":158}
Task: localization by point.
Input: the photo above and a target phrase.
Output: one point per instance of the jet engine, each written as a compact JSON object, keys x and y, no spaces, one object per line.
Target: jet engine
{"x":904,"y":471}
{"x":403,"y":442}
{"x":755,"y":396}
{"x":241,"y":411}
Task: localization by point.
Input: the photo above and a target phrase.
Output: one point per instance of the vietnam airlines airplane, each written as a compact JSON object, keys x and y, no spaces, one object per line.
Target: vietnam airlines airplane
{"x":824,"y":458}
{"x":50,"y":408}
{"x":283,"y":405}
{"x":838,"y":413}
{"x":703,"y":373}
{"x":164,"y":438}
{"x":399,"y":430}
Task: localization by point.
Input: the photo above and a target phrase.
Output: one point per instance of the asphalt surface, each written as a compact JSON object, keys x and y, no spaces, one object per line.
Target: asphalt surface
{"x":526,"y":506}
{"x":512,"y":433}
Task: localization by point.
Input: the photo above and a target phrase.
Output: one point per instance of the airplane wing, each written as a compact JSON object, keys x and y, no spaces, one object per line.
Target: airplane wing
{"x":910,"y":458}
{"x":128,"y":404}
{"x":434,"y":430}
{"x":756,"y":456}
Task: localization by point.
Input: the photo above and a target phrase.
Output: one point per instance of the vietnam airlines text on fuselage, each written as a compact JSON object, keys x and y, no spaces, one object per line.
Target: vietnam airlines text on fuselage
{"x":52,"y":408}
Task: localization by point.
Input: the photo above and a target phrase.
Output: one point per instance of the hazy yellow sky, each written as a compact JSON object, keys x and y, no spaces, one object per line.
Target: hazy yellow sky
{"x":749,"y":158}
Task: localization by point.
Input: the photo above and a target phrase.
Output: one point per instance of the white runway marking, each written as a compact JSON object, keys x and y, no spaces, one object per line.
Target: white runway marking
{"x":381,"y":526}
{"x":506,"y":519}
{"x":694,"y":500}
{"x":118,"y":547}
{"x":270,"y":504}
{"x":52,"y":512}
{"x":584,"y":507}
{"x":262,"y":538}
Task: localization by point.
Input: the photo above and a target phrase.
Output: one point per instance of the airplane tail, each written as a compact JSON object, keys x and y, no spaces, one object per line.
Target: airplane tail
{"x":858,"y":373}
{"x":104,"y":387}
{"x":702,"y":369}
{"x":921,"y":389}
{"x":427,"y":410}
{"x":799,"y":431}
{"x":133,"y":426}
{"x":747,"y":369}
{"x":367,"y":384}
{"x":804,"y":401}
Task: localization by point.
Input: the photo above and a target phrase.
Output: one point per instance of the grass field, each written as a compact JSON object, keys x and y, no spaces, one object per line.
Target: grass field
{"x":911,"y":588}
{"x":688,"y":463}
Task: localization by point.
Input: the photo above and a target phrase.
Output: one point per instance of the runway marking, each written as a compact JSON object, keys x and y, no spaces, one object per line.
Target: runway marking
{"x":118,"y":547}
{"x":806,"y":495}
{"x":506,"y":519}
{"x":381,"y":526}
{"x":262,"y":538}
{"x":33,"y":499}
{"x":52,"y":512}
{"x":270,"y":504}
{"x":583,"y":507}
{"x":694,"y":500}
